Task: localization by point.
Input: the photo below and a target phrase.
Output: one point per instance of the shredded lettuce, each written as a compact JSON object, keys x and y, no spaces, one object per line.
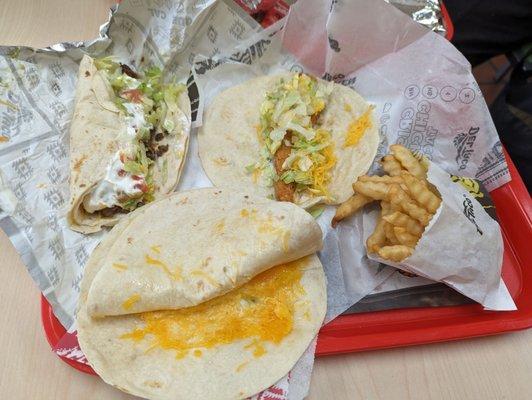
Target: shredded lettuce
{"x":250,"y":168}
{"x":316,"y":210}
{"x":131,"y":204}
{"x":292,"y":106}
{"x":170,"y":96}
{"x":107,"y":64}
{"x":133,"y":167}
{"x":159,"y":102}
{"x":121,"y":82}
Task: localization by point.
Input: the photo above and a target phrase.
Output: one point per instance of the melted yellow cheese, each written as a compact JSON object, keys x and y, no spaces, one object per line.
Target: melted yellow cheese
{"x":175,"y":275}
{"x":120,"y":267}
{"x":219,"y":226}
{"x":156,"y":249}
{"x":258,"y":131}
{"x":244,"y":213}
{"x":255,"y":175}
{"x":286,"y":240}
{"x":357,"y":128}
{"x":129,"y":303}
{"x":266,"y":225}
{"x":242,"y":366}
{"x":197,"y":273}
{"x":260,"y":311}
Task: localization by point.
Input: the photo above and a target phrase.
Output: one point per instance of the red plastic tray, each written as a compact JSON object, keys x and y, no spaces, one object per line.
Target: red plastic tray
{"x":404,"y":327}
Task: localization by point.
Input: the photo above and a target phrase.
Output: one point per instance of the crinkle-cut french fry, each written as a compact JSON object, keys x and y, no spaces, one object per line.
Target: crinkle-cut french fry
{"x":432,"y":188}
{"x":404,"y":237}
{"x":394,"y":207}
{"x":391,"y":166}
{"x":390,"y":234}
{"x":375,"y":190}
{"x":399,"y":197}
{"x":395,"y":253}
{"x":420,"y":193}
{"x":349,"y":207}
{"x":408,"y":161}
{"x":381,"y":179}
{"x":385,"y":208}
{"x":398,"y":218}
{"x":378,"y":238}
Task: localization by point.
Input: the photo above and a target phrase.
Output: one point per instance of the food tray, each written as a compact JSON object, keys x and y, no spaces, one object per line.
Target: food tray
{"x":404,"y":327}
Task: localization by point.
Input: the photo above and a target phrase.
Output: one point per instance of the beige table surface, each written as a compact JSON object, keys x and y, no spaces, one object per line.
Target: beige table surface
{"x":488,"y":368}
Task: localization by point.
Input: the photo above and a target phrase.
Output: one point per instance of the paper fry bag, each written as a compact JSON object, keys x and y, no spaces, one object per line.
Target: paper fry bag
{"x":462,"y":246}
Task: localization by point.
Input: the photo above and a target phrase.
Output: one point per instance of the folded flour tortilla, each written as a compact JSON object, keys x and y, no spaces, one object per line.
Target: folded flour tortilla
{"x":187,"y":353}
{"x":248,"y":125}
{"x":197,"y":245}
{"x":126,"y":149}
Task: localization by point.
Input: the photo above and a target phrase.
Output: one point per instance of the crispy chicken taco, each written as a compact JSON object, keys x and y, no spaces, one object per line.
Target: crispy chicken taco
{"x":128,"y":140}
{"x":292,"y":137}
{"x":216,"y":300}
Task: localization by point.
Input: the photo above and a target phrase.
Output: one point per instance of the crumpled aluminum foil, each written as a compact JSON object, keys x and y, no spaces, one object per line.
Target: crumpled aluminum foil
{"x":426,"y":12}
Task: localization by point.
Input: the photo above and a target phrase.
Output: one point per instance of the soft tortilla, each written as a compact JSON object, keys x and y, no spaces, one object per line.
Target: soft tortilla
{"x":96,"y":134}
{"x":226,"y":372}
{"x":228,"y":139}
{"x":196,"y":245}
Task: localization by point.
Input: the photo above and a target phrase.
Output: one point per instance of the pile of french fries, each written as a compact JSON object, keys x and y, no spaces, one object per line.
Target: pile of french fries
{"x":408,"y":202}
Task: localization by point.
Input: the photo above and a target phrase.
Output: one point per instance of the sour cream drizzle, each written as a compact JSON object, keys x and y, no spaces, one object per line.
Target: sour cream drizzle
{"x":119,"y":185}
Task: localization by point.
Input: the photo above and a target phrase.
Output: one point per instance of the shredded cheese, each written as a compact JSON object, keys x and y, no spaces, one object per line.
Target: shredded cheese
{"x":320,"y":171}
{"x":175,"y":275}
{"x":242,"y":366}
{"x":130,"y":302}
{"x":259,"y":312}
{"x":357,"y":128}
{"x":119,"y":267}
{"x":197,"y":273}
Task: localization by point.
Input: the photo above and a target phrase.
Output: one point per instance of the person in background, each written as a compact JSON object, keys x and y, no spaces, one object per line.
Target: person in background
{"x":483,"y":30}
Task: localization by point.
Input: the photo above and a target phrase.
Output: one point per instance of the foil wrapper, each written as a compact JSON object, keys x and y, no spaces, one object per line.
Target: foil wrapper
{"x":426,"y":12}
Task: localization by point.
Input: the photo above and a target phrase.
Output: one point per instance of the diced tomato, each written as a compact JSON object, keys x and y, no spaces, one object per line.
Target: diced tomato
{"x":133,"y":95}
{"x":121,"y":172}
{"x":136,"y":177}
{"x":122,"y":158}
{"x":141,"y":186}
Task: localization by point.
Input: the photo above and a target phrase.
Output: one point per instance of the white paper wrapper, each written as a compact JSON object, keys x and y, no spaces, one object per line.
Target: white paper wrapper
{"x":462,"y":246}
